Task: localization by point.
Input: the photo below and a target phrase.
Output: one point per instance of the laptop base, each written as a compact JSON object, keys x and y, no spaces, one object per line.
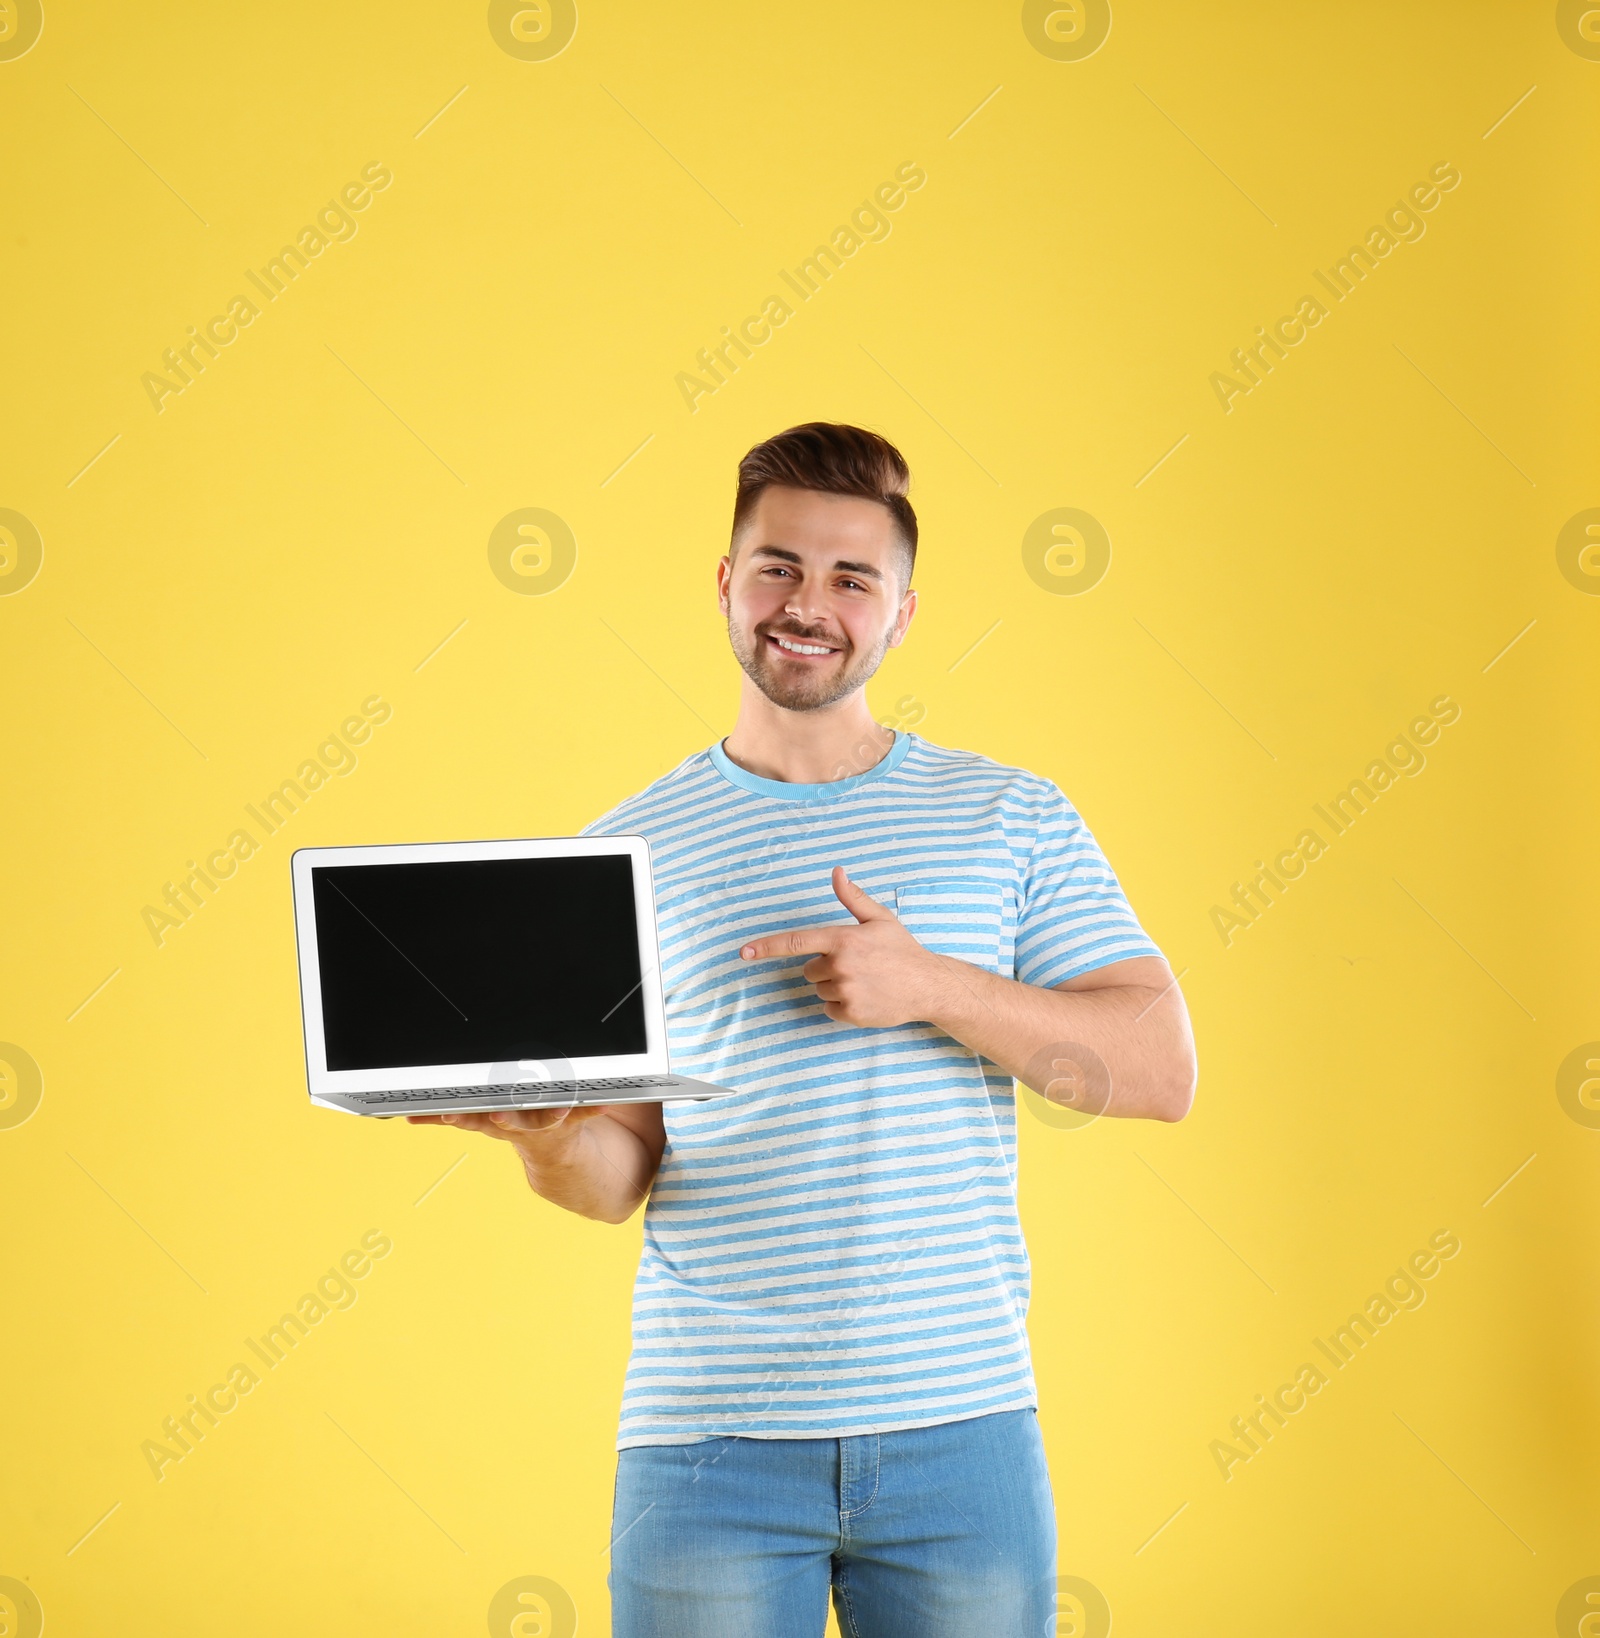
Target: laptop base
{"x":453,"y":1100}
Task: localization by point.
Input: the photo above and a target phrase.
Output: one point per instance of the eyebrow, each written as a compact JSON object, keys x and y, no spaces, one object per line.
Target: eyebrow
{"x":786,"y":556}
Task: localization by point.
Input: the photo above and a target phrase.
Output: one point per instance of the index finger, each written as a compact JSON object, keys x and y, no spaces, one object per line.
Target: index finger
{"x":803,"y":941}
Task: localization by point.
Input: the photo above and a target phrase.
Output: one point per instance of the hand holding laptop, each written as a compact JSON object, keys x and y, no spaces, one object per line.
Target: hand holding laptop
{"x":599,"y":1168}
{"x":538,"y":1129}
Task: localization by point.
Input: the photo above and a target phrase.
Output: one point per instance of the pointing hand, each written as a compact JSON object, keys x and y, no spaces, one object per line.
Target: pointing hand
{"x":873,"y":973}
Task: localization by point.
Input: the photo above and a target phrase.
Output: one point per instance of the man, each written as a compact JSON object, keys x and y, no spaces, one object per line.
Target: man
{"x":868,"y":937}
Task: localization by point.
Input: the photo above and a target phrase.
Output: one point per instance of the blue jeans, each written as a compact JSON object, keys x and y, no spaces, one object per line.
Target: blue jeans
{"x":937,"y":1532}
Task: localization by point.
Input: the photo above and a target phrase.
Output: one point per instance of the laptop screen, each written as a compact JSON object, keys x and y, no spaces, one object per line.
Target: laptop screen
{"x":478,"y":961}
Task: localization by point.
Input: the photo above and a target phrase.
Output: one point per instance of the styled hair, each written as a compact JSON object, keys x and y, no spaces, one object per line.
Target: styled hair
{"x":833,"y":460}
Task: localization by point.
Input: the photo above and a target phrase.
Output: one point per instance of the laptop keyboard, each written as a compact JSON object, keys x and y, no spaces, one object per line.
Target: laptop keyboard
{"x":543,"y":1091}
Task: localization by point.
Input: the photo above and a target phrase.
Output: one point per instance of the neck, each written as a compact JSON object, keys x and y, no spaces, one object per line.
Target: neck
{"x":806,"y":747}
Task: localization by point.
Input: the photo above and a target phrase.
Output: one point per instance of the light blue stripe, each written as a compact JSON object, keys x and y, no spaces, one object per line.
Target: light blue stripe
{"x":860,"y":1192}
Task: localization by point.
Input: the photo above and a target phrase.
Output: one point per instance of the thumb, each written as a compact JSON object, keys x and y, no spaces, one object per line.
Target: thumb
{"x":857,"y":900}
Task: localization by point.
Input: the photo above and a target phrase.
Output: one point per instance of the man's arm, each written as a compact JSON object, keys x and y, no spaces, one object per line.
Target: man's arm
{"x":1113,"y":1041}
{"x":598,"y":1160}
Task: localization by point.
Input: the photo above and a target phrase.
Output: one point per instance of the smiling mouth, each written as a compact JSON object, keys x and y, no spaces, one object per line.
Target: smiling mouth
{"x":798,"y":648}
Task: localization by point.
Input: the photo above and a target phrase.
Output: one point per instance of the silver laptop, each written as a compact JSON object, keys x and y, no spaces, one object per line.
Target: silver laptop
{"x":437,"y":977}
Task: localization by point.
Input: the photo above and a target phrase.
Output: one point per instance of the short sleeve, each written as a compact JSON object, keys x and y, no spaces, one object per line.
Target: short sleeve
{"x":1074,"y":916}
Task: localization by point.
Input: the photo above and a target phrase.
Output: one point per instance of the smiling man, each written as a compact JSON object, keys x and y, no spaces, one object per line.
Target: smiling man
{"x":870,"y":937}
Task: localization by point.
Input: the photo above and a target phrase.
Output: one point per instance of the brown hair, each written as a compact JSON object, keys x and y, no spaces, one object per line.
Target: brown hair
{"x":834,"y":460}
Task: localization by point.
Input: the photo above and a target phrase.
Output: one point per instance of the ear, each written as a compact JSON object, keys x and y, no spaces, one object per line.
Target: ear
{"x":902,"y":623}
{"x":724,"y":575}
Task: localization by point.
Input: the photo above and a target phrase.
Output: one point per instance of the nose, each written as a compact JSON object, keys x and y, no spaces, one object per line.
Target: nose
{"x":806,"y":604}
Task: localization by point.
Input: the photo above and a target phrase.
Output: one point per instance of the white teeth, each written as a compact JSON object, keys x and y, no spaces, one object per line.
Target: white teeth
{"x":801,"y":648}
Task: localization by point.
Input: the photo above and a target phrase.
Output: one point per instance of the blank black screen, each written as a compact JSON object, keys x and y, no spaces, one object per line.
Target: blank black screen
{"x":478,"y":961}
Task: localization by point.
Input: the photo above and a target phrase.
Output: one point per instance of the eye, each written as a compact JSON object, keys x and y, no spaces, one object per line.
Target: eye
{"x":856,"y":583}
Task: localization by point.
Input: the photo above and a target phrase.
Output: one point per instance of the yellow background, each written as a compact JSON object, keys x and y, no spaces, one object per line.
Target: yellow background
{"x":304,"y":525}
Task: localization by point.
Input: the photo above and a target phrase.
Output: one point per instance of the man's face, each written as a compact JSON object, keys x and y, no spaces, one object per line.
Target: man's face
{"x":819,"y":573}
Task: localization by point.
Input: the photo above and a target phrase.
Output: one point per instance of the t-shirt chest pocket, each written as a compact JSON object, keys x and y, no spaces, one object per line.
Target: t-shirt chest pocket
{"x":962,"y":918}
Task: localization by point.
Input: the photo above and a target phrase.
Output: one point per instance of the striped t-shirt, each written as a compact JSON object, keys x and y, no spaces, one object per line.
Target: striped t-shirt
{"x":835,"y":1249}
